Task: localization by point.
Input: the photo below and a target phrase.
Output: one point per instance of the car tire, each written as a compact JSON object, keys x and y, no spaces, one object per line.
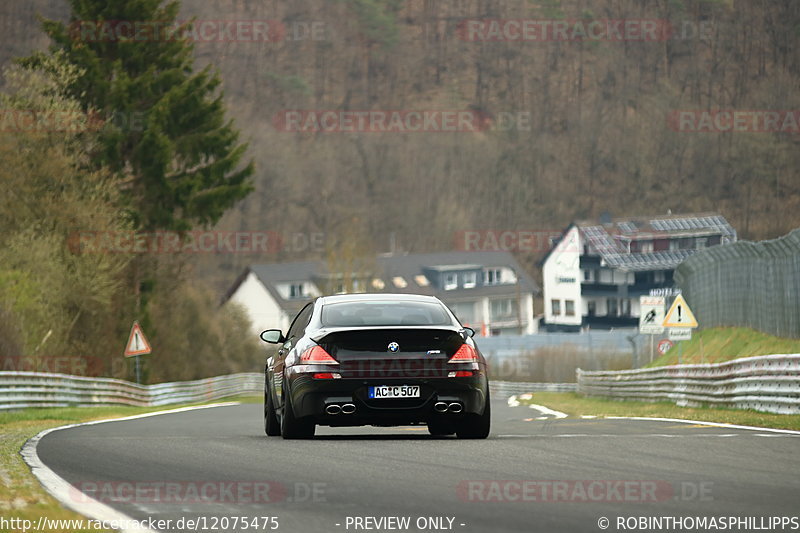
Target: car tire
{"x":476,"y":426}
{"x":272,"y":426}
{"x":292,"y":427}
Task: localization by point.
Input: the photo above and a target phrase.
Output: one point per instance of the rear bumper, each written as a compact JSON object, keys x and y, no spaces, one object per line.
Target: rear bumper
{"x":310,"y":397}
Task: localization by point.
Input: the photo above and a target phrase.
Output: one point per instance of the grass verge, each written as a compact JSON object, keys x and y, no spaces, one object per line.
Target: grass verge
{"x":716,"y":345}
{"x":21,"y":495}
{"x":576,"y":406}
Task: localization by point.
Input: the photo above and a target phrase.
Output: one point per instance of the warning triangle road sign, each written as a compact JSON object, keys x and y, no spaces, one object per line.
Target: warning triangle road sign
{"x":137,"y":342}
{"x":679,"y":315}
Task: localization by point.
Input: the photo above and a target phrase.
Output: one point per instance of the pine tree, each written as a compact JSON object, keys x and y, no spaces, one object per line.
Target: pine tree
{"x":165,"y":133}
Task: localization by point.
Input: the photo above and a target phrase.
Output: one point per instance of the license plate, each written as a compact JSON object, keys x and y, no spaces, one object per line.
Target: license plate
{"x":394,"y":391}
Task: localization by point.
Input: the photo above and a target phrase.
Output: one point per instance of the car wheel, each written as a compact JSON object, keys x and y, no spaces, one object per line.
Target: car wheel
{"x":439,"y":428}
{"x":292,"y":427}
{"x":476,"y":426}
{"x":271,"y":425}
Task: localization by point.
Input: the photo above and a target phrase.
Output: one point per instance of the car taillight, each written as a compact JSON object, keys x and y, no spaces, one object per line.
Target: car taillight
{"x":327,"y":375}
{"x":465,"y":354}
{"x":460,"y":374}
{"x":317,"y":354}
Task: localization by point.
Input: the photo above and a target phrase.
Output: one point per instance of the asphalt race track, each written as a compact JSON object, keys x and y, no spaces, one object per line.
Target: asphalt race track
{"x":690,"y":470}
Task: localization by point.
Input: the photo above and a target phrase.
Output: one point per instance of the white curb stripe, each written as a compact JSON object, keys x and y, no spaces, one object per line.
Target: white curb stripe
{"x":715,"y":424}
{"x":547,"y":411}
{"x":62,"y":491}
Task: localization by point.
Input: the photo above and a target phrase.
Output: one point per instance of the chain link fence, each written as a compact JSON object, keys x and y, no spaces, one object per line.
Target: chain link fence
{"x":746,"y":284}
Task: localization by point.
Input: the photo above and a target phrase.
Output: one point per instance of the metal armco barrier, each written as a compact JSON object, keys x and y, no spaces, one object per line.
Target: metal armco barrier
{"x":507,"y":388}
{"x":769,"y":383}
{"x":19,"y":390}
{"x":37,"y":389}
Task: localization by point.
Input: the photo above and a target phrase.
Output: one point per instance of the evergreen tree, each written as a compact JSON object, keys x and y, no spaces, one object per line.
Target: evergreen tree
{"x":165,"y":132}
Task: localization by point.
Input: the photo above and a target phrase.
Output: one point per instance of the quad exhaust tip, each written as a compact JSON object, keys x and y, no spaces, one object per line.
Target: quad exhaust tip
{"x":345,"y":409}
{"x":455,"y":407}
{"x":440,"y":407}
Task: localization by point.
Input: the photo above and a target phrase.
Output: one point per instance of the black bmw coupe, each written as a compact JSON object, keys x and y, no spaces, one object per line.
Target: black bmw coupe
{"x":376,"y":359}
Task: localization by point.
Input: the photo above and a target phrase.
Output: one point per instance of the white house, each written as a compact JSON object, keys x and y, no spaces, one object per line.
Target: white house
{"x":488,"y":291}
{"x":596,"y":271}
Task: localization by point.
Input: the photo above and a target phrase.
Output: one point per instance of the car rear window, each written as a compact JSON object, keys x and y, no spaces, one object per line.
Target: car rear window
{"x":385,"y":313}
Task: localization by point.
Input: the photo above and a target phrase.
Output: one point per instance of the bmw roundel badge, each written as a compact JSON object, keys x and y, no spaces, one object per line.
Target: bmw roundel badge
{"x":393,"y":346}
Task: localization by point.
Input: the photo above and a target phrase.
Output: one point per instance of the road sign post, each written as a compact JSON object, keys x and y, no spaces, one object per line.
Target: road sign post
{"x":651,"y":315}
{"x":137,"y":346}
{"x":680,"y":320}
{"x":679,"y":315}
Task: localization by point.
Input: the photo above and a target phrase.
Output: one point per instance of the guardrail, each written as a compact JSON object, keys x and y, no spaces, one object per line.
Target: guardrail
{"x":769,"y":383}
{"x":507,"y":388}
{"x":19,"y":390}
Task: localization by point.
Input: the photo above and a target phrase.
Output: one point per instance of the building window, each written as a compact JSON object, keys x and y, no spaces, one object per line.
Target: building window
{"x":470,"y":280}
{"x":569,"y":307}
{"x":674,"y":245}
{"x":591,"y":308}
{"x":491,"y":276}
{"x":700,"y":243}
{"x":588,"y":275}
{"x":502,"y":309}
{"x":556,"y":309}
{"x":450,"y":281}
{"x":611,"y":304}
{"x":646,"y":246}
{"x":626,"y":307}
{"x":464,"y":311}
{"x":421,"y":280}
{"x":658,"y":276}
{"x":296,"y":290}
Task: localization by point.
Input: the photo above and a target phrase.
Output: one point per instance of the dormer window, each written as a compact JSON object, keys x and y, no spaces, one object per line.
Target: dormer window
{"x":296,"y":291}
{"x":470,"y":280}
{"x":491,"y":276}
{"x":450,"y":281}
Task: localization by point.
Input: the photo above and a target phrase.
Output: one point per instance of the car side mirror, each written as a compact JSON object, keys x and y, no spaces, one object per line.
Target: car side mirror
{"x":468,"y":331}
{"x":272,"y":336}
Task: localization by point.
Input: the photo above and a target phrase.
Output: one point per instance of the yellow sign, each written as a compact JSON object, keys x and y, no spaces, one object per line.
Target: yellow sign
{"x":679,"y":315}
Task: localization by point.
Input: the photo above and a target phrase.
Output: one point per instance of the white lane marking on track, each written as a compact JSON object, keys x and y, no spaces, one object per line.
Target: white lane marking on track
{"x":512,"y":401}
{"x":62,"y":491}
{"x":647,"y":435}
{"x":547,"y":411}
{"x":714,"y":424}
